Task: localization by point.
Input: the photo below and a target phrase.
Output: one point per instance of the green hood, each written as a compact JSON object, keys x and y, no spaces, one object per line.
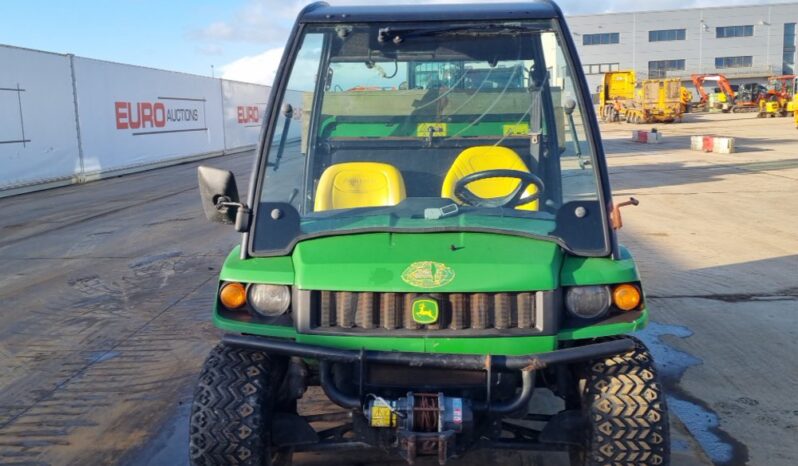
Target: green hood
{"x":427,"y":262}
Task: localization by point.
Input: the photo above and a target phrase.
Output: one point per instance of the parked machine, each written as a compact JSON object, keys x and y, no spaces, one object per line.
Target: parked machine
{"x":745,"y":98}
{"x":727,"y":94}
{"x":795,"y":101}
{"x":616,"y":94}
{"x":431,"y":257}
{"x":779,"y":97}
{"x":686,"y":99}
{"x":656,"y":101}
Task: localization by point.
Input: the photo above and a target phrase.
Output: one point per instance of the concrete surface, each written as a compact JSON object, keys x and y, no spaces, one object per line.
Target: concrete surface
{"x":106,"y":290}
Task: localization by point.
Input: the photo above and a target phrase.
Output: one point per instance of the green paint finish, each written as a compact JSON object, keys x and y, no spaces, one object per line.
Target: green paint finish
{"x":332,"y":129}
{"x":235,"y":326}
{"x":508,"y":346}
{"x":481,"y":262}
{"x":598,"y":330}
{"x":599,"y":270}
{"x":274,"y":270}
{"x":505,"y":346}
{"x":350,"y":225}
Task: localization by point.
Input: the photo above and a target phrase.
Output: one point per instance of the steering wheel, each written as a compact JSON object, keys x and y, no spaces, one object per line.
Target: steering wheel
{"x":514,"y":199}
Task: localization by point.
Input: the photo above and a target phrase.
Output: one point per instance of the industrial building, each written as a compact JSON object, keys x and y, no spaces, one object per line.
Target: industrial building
{"x":745,"y":43}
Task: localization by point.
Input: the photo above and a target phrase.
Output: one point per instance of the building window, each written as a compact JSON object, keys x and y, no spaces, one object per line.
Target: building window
{"x":725,"y":32}
{"x":601,"y":39}
{"x":601,"y":68}
{"x":660,"y":68}
{"x":734,"y":62}
{"x":667,"y":35}
{"x":788,"y":65}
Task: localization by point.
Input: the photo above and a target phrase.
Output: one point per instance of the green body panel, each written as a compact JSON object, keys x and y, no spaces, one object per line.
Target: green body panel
{"x":481,"y":262}
{"x":605,"y":330}
{"x":376,"y":261}
{"x":274,"y":270}
{"x":599,"y":270}
{"x":499,"y":346}
{"x":382,"y":130}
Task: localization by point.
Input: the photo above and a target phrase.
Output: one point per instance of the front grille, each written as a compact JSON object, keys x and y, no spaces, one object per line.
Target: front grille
{"x":384,"y":311}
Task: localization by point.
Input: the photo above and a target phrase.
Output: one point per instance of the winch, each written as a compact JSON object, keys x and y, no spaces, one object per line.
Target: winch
{"x":426,"y":423}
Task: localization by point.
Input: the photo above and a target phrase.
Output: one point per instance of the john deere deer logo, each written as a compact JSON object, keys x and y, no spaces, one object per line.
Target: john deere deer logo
{"x":428,"y":274}
{"x":425,"y":311}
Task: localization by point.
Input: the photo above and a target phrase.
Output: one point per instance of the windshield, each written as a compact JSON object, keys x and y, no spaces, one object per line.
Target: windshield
{"x":471,"y":127}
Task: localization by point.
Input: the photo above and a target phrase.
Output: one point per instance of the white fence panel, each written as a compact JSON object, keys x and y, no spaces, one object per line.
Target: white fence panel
{"x":244,"y":110}
{"x":38,"y":134}
{"x":132,"y":116}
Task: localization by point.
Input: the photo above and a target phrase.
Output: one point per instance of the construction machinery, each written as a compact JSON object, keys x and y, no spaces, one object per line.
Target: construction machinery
{"x":779,"y":97}
{"x":657,"y":100}
{"x":431,"y":258}
{"x":727,"y":98}
{"x":686,"y":99}
{"x":795,"y":101}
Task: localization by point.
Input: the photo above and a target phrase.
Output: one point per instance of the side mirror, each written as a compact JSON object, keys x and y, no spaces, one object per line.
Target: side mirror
{"x":219,"y":194}
{"x":569,"y":106}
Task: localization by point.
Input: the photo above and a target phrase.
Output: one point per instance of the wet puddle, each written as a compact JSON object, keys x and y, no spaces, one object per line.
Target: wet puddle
{"x":700,"y":420}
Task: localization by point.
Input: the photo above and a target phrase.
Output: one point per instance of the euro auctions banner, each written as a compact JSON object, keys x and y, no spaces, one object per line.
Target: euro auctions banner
{"x":38,"y":131}
{"x":244,"y":110}
{"x":132,"y":116}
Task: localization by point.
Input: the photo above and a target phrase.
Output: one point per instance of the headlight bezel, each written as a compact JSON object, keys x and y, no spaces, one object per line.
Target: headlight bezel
{"x":250,"y":310}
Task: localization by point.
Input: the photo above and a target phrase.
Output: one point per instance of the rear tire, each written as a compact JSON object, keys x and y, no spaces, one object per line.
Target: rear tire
{"x":626,"y":412}
{"x":231,"y":414}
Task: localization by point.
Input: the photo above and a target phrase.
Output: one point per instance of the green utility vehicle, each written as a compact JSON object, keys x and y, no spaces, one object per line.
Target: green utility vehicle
{"x":429,"y":237}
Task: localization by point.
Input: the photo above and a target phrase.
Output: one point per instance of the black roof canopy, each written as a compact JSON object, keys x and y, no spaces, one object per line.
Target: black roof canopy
{"x":322,"y":12}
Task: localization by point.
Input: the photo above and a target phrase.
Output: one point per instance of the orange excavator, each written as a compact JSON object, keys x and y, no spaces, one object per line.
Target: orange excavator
{"x":729,"y":100}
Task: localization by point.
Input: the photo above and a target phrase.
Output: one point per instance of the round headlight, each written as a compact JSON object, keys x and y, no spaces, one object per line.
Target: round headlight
{"x":588,"y":302}
{"x":269,"y":300}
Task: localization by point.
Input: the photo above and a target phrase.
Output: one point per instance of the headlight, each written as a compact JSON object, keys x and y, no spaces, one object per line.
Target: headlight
{"x":269,"y":300}
{"x":588,"y":302}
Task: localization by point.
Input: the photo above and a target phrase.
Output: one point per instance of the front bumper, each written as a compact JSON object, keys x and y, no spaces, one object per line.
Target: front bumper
{"x":527,"y":364}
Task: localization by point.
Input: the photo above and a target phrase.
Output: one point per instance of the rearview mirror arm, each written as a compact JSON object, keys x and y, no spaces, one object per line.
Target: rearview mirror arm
{"x":243,"y":213}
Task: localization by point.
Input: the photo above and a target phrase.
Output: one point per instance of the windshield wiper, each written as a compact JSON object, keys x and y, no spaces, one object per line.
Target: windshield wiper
{"x":288,"y":113}
{"x":569,"y":107}
{"x":398,"y":35}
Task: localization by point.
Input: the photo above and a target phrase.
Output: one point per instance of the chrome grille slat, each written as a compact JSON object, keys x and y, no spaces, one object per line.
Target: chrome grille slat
{"x":407,"y":312}
{"x":345,"y":309}
{"x":389,"y":310}
{"x":525,"y":303}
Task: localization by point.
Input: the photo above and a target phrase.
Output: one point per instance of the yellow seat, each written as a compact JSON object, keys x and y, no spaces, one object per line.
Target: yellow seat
{"x":482,"y":158}
{"x":359,"y":184}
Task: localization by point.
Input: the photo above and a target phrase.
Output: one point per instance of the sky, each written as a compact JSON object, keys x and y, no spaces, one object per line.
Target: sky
{"x":234,"y":39}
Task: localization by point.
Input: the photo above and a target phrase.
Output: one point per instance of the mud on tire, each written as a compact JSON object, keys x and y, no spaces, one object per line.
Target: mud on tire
{"x":232,"y":409}
{"x":626,"y":411}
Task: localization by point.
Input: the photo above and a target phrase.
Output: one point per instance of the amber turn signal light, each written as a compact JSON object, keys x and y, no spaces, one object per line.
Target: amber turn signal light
{"x":626,"y":297}
{"x":233,"y":295}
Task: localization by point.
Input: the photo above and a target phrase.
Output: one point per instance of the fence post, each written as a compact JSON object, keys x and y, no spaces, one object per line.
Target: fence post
{"x":81,"y":178}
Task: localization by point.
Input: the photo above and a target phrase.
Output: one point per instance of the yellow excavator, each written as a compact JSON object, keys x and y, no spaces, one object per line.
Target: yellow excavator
{"x":656,"y":101}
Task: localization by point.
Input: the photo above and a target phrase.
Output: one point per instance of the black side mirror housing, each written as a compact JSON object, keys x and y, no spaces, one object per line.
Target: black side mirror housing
{"x":219,"y":194}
